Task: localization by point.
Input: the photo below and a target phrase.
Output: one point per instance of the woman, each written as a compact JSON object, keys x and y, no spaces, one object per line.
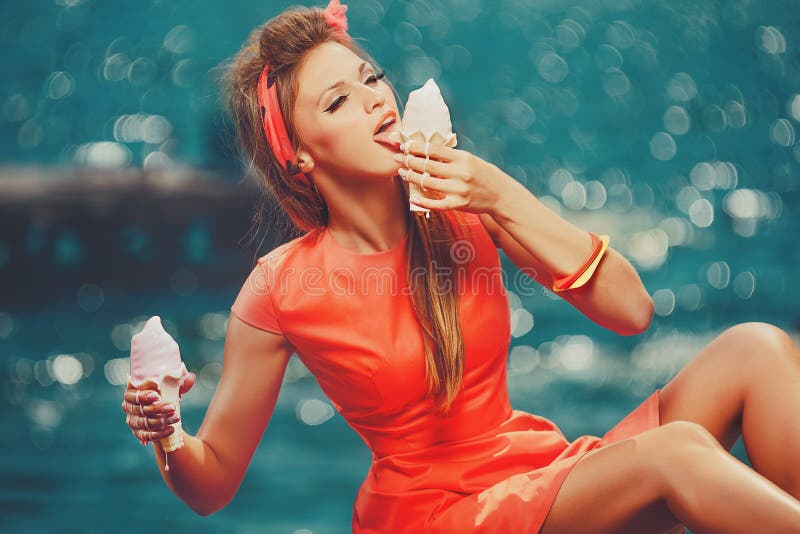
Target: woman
{"x":420,"y":372}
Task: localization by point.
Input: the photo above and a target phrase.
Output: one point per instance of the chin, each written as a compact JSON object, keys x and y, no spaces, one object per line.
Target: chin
{"x":390,"y":173}
{"x":383,"y":162}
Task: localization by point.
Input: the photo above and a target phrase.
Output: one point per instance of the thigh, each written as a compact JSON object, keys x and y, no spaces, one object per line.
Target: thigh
{"x":615,"y":489}
{"x":711,"y":388}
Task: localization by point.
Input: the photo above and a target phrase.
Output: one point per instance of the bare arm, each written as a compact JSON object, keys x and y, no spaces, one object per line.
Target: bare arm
{"x":208,"y":470}
{"x":540,"y":242}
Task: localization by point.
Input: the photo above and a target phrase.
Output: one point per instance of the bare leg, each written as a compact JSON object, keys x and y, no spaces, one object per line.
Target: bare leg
{"x":746,"y":381}
{"x":676,"y":473}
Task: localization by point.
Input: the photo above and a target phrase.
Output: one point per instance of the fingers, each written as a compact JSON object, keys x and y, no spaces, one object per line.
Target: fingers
{"x":152,"y":435}
{"x":426,"y":181}
{"x":186,"y":383}
{"x":422,"y":165}
{"x":445,"y":203}
{"x":132,"y":408}
{"x":439,"y":152}
{"x":148,"y":418}
{"x":151,"y":428}
{"x":151,"y":423}
{"x":141,"y":396}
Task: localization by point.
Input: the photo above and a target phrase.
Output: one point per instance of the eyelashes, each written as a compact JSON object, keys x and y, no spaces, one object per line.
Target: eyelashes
{"x":339,"y":101}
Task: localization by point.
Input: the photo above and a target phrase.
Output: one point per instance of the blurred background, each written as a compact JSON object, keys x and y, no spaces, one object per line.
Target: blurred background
{"x":669,"y":124}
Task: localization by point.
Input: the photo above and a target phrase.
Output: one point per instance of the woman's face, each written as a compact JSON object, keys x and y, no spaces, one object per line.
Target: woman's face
{"x":336,"y":126}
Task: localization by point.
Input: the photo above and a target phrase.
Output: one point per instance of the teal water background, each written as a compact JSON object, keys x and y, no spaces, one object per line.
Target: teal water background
{"x":670,"y":125}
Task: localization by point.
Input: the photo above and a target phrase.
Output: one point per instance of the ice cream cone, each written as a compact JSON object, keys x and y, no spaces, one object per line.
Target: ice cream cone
{"x":426,"y":120}
{"x":170,"y":388}
{"x":156,"y":359}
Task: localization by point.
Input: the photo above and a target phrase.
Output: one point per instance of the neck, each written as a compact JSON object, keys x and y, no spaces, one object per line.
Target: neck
{"x":367,"y":218}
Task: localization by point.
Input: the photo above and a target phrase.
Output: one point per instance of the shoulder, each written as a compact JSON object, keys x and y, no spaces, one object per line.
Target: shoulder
{"x":276,"y":264}
{"x":287,"y":252}
{"x":264,"y":278}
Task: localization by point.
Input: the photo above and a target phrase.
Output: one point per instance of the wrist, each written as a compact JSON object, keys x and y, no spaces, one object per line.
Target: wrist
{"x":509,"y":191}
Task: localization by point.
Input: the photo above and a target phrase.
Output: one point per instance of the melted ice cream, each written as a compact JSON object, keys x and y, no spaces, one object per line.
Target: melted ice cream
{"x":155,"y":357}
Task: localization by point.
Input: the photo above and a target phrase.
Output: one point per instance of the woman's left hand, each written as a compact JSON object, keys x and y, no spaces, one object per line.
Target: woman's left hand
{"x":463,"y":181}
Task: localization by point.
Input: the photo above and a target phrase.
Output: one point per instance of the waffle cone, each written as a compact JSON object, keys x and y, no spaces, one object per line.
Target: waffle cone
{"x":174,"y":440}
{"x":170,"y":392}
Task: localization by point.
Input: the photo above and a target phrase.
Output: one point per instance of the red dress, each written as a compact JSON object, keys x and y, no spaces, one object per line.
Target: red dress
{"x":483,"y":468}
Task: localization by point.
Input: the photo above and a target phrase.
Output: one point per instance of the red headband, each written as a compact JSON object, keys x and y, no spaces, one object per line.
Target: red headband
{"x":271,"y":116}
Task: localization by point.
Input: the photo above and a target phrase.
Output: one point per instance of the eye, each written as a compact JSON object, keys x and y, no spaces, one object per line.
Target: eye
{"x":339,"y":101}
{"x":336,"y":103}
{"x":376,"y":77}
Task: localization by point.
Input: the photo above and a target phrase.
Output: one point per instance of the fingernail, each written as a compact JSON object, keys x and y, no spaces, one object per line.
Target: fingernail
{"x":403,"y":146}
{"x":398,"y":157}
{"x":415,"y":199}
{"x":152,"y":396}
{"x":169,"y":407}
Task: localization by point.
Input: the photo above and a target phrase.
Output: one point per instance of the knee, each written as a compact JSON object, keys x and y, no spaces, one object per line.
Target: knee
{"x":680,"y":434}
{"x":765,"y":340}
{"x":683,"y":442}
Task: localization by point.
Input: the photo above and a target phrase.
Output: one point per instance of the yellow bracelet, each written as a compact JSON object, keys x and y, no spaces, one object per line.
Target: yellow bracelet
{"x":589,"y":271}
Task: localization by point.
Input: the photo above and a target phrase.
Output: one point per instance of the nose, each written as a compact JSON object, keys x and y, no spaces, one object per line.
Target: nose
{"x":376,"y":98}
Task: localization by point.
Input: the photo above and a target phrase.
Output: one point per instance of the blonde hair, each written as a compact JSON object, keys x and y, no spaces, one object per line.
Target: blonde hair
{"x":283,"y":42}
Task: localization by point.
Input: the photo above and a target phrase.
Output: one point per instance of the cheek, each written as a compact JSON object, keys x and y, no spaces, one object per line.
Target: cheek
{"x":334,"y":145}
{"x":323,"y":137}
{"x":345,"y":136}
{"x":339,"y":128}
{"x":322,"y":132}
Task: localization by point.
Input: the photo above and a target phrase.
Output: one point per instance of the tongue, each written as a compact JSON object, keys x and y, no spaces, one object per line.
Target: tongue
{"x":383,"y":137}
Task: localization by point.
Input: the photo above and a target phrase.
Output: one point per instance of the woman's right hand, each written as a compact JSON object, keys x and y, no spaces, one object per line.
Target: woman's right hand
{"x":148,"y":417}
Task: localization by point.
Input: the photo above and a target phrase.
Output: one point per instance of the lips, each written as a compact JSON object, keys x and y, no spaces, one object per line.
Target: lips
{"x":389,"y":114}
{"x":383,"y":136}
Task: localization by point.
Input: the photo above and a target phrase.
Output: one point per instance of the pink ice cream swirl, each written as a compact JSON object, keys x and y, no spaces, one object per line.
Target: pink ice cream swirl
{"x":154,"y":355}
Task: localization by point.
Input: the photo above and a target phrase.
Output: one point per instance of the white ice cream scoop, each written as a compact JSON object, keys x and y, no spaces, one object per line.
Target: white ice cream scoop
{"x":426,"y":119}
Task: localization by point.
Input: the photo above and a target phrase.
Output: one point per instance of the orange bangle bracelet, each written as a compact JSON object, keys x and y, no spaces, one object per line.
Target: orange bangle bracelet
{"x":584,"y":273}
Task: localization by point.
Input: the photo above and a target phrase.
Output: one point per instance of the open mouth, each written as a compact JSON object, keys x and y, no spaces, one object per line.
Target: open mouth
{"x":385,"y":126}
{"x":384,"y":131}
{"x":388,"y":117}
